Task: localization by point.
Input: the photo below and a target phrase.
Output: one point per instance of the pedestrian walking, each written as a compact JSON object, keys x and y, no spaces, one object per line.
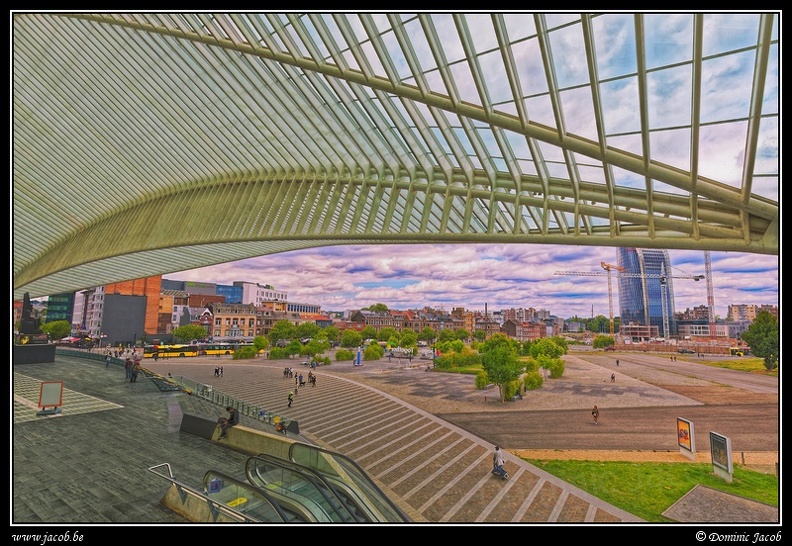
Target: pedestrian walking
{"x":291,"y":398}
{"x":135,"y":372}
{"x":617,"y":362}
{"x":128,"y":365}
{"x":595,"y":415}
{"x":107,"y":360}
{"x":613,"y":378}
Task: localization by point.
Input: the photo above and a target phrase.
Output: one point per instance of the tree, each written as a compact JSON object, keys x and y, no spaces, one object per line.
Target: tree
{"x":499,"y":360}
{"x":762,"y":336}
{"x":261,"y":343}
{"x":57,"y":329}
{"x":351,"y":338}
{"x":330,"y":333}
{"x":387,"y":333}
{"x":377,"y":307}
{"x":189,"y":332}
{"x":369,"y":332}
{"x":307,"y":330}
{"x":446,"y":335}
{"x":294,"y":347}
{"x":428,"y":335}
{"x":480,"y":335}
{"x":314,"y":348}
{"x":462,"y":334}
{"x":409,"y":338}
{"x":546,"y":346}
{"x":282,"y":330}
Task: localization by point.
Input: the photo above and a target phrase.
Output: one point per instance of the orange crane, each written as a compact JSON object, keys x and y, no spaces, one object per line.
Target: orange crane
{"x":622,"y":273}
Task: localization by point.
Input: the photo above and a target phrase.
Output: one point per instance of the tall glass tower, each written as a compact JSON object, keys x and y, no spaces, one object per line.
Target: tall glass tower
{"x":641,"y":297}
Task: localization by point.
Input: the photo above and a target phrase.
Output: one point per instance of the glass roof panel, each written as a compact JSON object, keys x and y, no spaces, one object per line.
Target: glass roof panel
{"x":672,"y":147}
{"x":729,"y":31}
{"x":669,"y":96}
{"x":620,"y":106}
{"x":668,"y":38}
{"x":578,"y":110}
{"x":519,"y":25}
{"x":721,"y":150}
{"x":569,"y":56}
{"x":530,"y":70}
{"x":481,"y":32}
{"x":614,"y":40}
{"x":424,"y":56}
{"x":726,"y":87}
{"x":494,"y":77}
{"x":448,"y":36}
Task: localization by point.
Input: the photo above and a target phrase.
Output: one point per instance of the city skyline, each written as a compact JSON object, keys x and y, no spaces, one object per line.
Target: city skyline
{"x":340,"y":278}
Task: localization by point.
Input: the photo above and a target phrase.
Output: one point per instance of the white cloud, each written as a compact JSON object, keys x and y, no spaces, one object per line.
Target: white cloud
{"x":501,"y":276}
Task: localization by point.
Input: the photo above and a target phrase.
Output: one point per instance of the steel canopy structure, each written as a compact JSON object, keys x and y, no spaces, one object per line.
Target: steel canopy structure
{"x":149,"y":143}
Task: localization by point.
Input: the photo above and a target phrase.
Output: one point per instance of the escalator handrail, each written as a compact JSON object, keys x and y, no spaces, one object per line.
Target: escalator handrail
{"x":307,"y":474}
{"x":244,"y":485}
{"x":367,"y":483}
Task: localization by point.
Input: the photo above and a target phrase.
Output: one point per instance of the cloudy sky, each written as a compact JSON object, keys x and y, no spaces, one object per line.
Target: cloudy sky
{"x":500,"y":276}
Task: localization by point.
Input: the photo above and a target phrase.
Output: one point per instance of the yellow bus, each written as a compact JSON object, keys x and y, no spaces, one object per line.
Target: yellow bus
{"x":215,"y":349}
{"x":169,"y":351}
{"x":736,"y":351}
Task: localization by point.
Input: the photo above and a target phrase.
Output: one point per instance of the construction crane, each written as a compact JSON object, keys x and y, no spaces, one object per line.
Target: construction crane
{"x":710,"y":293}
{"x":622,"y":273}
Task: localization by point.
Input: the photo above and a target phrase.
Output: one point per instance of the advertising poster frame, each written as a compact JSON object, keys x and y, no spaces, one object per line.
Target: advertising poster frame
{"x":721,"y":452}
{"x":686,"y":438}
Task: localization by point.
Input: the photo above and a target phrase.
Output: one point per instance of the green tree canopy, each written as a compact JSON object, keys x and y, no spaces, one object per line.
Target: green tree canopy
{"x":462,"y":334}
{"x":282,"y":330}
{"x":499,"y":360}
{"x":427,"y":334}
{"x":330,"y":333}
{"x":189,"y":332}
{"x":306,"y":330}
{"x":546,"y":346}
{"x":351,"y":338}
{"x":369,"y":332}
{"x":56,"y":329}
{"x":409,"y":338}
{"x":261,"y":343}
{"x":385,"y":334}
{"x":378,"y":307}
{"x":762,"y":336}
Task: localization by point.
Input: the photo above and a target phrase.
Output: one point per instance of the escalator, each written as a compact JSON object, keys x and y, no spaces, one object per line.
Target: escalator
{"x":248,"y":500}
{"x":350,"y":482}
{"x":299,"y":489}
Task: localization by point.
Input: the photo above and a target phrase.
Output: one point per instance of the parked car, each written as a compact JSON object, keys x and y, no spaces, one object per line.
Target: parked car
{"x":610,"y":348}
{"x":686,"y":351}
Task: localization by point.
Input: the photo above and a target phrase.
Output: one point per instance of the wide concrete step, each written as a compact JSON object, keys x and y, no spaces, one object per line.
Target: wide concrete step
{"x":432,"y":468}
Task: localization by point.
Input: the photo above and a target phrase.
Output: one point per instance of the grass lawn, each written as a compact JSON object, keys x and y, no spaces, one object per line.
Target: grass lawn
{"x":649,"y":489}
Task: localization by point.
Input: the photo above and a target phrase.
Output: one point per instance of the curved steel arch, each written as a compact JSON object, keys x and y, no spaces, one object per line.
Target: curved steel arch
{"x":228,"y":136}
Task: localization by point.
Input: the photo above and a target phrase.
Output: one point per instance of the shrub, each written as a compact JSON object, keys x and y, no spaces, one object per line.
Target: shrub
{"x":373,"y":352}
{"x":279,"y":353}
{"x":482,"y":381}
{"x":245,"y":352}
{"x":556,"y":369}
{"x":344,"y":354}
{"x":533,"y":380}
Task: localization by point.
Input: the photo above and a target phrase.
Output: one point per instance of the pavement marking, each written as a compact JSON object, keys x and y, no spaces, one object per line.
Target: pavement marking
{"x":27,"y":391}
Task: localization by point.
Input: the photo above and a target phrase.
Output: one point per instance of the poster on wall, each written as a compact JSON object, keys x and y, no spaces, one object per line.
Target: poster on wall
{"x":687,"y":443}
